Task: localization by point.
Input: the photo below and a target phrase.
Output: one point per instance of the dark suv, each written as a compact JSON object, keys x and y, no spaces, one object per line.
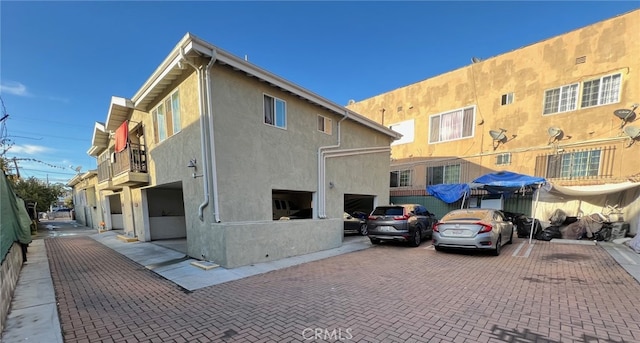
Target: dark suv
{"x":406,"y":223}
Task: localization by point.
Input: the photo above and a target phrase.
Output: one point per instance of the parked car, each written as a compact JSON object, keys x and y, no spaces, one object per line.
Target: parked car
{"x":355,"y":223}
{"x":477,"y":228}
{"x":305,"y":213}
{"x":406,"y":223}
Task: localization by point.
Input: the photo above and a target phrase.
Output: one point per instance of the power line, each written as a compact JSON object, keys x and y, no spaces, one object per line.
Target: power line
{"x":48,"y":172}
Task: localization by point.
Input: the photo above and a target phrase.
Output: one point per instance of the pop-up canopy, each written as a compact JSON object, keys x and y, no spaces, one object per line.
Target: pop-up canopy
{"x":502,"y":182}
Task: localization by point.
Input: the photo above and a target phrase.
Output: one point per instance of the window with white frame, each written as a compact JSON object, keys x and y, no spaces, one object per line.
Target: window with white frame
{"x":166,"y":117}
{"x":506,"y":99}
{"x":502,"y":159}
{"x":602,"y":91}
{"x":574,"y":164}
{"x":443,"y":174}
{"x":275,"y":112}
{"x":452,"y":125}
{"x":324,"y":124}
{"x":400,"y":178}
{"x":561,"y":99}
{"x":406,"y":129}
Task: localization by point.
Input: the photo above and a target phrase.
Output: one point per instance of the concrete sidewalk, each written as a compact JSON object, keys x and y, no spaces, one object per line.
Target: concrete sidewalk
{"x":34,"y":316}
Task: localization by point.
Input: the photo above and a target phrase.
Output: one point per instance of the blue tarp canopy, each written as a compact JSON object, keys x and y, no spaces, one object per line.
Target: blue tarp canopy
{"x":506,"y":181}
{"x":449,"y":193}
{"x":498,"y":182}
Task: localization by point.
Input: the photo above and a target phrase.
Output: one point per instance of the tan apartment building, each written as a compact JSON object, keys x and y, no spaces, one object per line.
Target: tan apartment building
{"x":565,"y":109}
{"x":212,"y":149}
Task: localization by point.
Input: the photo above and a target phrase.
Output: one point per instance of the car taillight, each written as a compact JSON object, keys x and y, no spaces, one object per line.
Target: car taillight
{"x":405,"y":217}
{"x":372,"y":217}
{"x":435,"y":227}
{"x":485,"y":227}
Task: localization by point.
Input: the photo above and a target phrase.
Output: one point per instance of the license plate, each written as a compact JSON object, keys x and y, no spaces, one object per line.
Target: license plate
{"x":386,"y":228}
{"x":456,"y":233}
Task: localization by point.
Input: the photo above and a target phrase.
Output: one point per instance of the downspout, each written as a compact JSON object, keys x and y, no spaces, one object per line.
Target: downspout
{"x":203,"y":135}
{"x":321,"y":172}
{"x":214,"y":168}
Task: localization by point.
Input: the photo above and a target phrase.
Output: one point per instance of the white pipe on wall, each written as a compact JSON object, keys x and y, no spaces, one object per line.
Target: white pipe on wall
{"x":321,"y":173}
{"x":214,"y":169}
{"x":342,"y":153}
{"x":203,"y":134}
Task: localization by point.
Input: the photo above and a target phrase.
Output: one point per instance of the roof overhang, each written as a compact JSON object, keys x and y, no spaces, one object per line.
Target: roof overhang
{"x":120,"y":110}
{"x":191,"y":46}
{"x":99,"y":141}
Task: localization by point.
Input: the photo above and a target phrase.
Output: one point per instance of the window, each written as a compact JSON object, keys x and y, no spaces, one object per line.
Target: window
{"x":275,"y":112}
{"x":451,"y":125}
{"x":400,"y":178}
{"x":324,"y":124}
{"x":605,"y":90}
{"x":503,"y":159}
{"x":404,"y":128}
{"x":443,"y":174}
{"x":166,"y":118}
{"x":574,"y":164}
{"x":561,"y":99}
{"x":506,"y":99}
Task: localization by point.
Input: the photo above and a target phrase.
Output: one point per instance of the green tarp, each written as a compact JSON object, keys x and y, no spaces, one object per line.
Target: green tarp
{"x":15,"y":224}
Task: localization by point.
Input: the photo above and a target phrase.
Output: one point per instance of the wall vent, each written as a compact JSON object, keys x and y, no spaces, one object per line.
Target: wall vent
{"x":581,"y":59}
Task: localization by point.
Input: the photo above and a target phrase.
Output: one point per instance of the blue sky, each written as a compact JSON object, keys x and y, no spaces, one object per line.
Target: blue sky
{"x":60,"y":62}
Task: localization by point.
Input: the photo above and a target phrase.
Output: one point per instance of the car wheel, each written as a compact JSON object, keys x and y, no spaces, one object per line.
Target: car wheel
{"x":496,"y":251}
{"x":374,"y":241}
{"x":416,"y":239}
{"x":363,"y":230}
{"x":510,"y":237}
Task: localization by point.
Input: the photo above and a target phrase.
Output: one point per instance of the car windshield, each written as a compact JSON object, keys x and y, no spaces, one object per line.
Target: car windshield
{"x":465,"y":215}
{"x":388,"y":211}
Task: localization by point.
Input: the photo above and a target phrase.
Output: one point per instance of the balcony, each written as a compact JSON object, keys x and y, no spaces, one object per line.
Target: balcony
{"x":129,"y":166}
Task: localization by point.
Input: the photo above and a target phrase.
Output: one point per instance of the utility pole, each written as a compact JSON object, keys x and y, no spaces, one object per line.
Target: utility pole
{"x":15,"y":163}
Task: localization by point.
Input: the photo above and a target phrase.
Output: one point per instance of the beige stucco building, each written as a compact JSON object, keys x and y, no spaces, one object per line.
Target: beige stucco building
{"x":564,"y":109}
{"x":211,"y":147}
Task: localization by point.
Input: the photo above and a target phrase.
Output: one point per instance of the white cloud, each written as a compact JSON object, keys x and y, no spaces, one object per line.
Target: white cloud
{"x":15,"y":88}
{"x":29,"y":149}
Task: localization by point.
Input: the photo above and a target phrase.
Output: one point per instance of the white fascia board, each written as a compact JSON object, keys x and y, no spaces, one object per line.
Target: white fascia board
{"x":163,"y":69}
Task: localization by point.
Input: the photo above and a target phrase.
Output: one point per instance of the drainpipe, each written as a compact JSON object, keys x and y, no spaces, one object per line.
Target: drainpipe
{"x":214,"y":169}
{"x":321,"y":173}
{"x":203,"y":135}
{"x":343,"y":153}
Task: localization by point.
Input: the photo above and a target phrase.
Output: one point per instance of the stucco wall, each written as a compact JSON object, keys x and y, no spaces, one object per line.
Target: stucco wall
{"x":609,"y":47}
{"x":255,"y":158}
{"x":248,"y":243}
{"x":9,"y":273}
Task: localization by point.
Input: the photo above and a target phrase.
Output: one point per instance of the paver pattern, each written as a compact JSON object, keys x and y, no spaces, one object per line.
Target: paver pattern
{"x":388,"y":293}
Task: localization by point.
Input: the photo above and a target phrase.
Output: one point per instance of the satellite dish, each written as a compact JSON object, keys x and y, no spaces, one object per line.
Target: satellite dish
{"x":626,"y":115}
{"x":475,"y":60}
{"x":498,"y":137}
{"x":633,"y":133}
{"x":78,"y":168}
{"x":555,"y":133}
{"x":351,"y":102}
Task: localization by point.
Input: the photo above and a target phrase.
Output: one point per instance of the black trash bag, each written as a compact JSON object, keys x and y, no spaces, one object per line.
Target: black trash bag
{"x":523,"y":226}
{"x":604,"y":234}
{"x":570,"y":220}
{"x":549,"y":233}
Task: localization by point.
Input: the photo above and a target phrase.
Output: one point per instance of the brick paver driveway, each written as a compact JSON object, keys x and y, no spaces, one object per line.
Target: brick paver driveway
{"x":389,"y":293}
